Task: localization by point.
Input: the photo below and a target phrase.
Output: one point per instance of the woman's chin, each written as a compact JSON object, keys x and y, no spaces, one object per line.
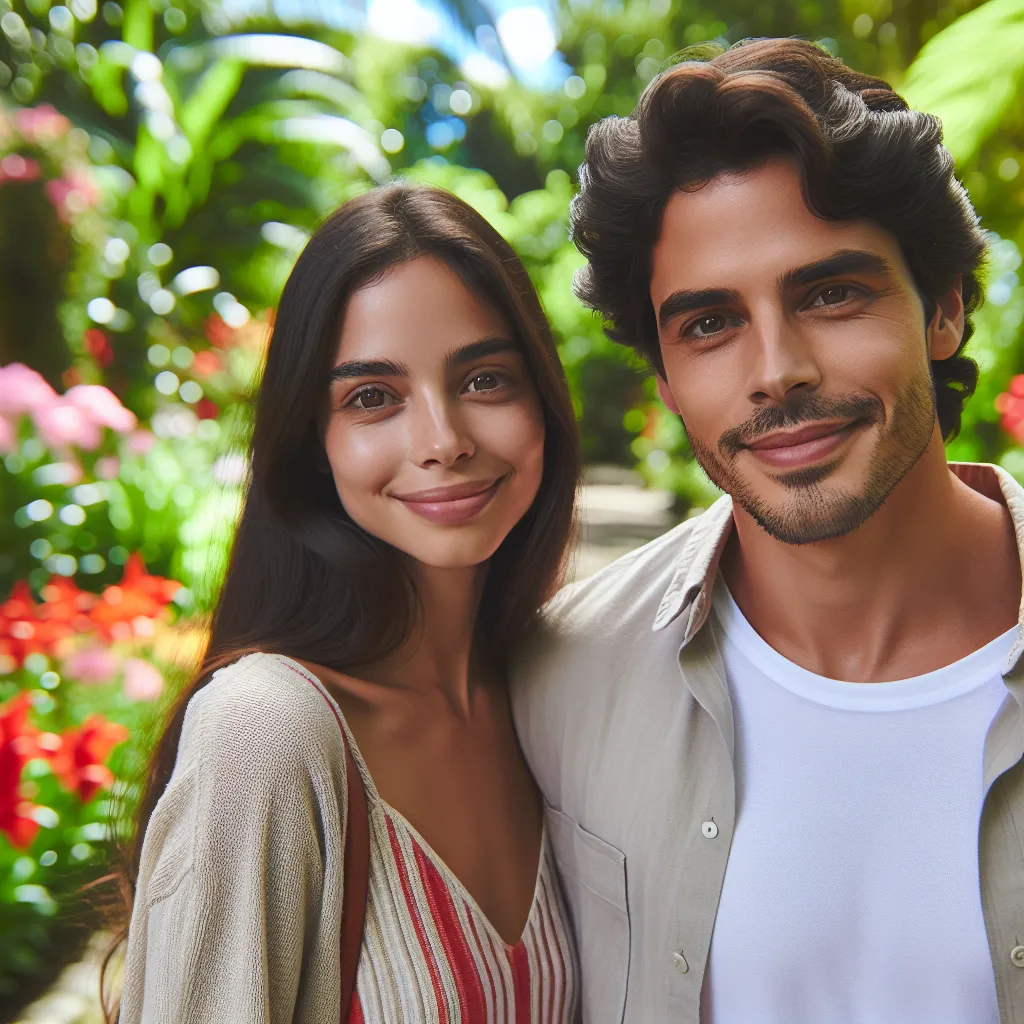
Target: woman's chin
{"x":450,"y":555}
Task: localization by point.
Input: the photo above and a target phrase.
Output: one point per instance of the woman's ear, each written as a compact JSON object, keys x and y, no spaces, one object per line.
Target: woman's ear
{"x":946,"y":329}
{"x":665,"y":393}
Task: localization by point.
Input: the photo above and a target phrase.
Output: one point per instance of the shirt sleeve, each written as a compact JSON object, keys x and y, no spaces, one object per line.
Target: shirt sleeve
{"x":237,"y":908}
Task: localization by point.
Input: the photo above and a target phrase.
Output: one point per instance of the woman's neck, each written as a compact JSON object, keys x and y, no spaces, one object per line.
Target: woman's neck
{"x":439,"y":654}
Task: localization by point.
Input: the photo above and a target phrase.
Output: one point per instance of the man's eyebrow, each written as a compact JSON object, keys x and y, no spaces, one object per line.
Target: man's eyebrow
{"x":479,"y":349}
{"x":686,"y":301}
{"x":845,"y":261}
{"x":367,"y":368}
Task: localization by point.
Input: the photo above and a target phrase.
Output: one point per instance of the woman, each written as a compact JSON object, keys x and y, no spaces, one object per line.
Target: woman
{"x":414,"y":465}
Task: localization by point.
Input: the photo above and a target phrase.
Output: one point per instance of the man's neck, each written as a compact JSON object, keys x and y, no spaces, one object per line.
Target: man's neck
{"x":933,"y":575}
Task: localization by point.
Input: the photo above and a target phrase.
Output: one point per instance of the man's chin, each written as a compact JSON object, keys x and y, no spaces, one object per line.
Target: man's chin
{"x":797,"y":508}
{"x":807,"y":476}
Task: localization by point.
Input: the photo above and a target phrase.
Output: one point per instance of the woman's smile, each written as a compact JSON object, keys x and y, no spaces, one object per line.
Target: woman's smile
{"x":455,"y":504}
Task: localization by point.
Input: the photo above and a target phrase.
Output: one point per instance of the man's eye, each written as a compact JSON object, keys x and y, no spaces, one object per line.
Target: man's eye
{"x":704,"y":326}
{"x":484,"y":382}
{"x":370,"y":399}
{"x":833,"y":295}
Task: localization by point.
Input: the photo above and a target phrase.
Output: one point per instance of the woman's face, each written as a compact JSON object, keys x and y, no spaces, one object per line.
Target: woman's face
{"x":435,"y":435}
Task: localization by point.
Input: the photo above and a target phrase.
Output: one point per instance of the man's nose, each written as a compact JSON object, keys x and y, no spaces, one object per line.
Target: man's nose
{"x":782,"y":359}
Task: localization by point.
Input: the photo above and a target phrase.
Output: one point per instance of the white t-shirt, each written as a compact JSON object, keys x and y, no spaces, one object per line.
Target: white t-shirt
{"x":851,"y":894}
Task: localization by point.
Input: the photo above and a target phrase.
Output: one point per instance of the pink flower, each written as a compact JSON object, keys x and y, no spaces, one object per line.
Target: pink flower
{"x":1010,"y":406}
{"x":141,"y":441}
{"x":141,"y":680}
{"x":8,"y":435}
{"x":93,"y":664}
{"x":23,"y":390}
{"x":71,"y":195}
{"x":40,"y":123}
{"x":17,"y":168}
{"x":108,"y":467}
{"x":64,"y":424}
{"x":101,"y":405}
{"x":74,"y":418}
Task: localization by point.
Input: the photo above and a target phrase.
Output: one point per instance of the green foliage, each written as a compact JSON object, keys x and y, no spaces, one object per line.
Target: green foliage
{"x":971,"y":75}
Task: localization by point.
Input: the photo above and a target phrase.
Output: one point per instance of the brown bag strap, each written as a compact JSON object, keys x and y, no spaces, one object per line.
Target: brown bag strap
{"x":357,"y":877}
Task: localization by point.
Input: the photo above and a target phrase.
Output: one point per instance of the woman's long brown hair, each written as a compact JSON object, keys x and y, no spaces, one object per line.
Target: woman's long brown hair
{"x":303,"y":579}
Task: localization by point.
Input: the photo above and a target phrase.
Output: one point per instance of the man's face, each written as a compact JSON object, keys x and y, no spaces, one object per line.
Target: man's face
{"x":795,"y":350}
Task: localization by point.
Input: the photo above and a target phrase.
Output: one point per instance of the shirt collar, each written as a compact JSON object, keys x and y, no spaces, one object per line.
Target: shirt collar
{"x":689,"y":591}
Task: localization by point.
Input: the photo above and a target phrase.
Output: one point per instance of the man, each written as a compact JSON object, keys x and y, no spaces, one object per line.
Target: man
{"x":744,"y":838}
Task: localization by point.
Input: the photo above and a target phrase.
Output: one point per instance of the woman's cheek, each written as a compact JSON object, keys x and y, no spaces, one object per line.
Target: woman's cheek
{"x":362,"y":461}
{"x":513,"y":433}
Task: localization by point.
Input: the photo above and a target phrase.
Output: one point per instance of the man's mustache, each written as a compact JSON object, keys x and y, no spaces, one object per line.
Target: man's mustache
{"x":802,"y":407}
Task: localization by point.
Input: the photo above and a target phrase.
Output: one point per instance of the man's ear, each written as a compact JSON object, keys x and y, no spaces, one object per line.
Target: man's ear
{"x":946,"y":329}
{"x":665,"y":393}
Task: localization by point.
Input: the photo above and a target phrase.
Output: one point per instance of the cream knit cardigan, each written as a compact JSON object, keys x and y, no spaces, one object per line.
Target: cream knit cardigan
{"x":237,"y":913}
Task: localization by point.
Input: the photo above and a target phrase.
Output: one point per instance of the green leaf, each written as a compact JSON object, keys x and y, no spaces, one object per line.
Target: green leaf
{"x":137,"y":28}
{"x":106,"y":81}
{"x":149,"y":162}
{"x":969,"y":75}
{"x":208,"y":101}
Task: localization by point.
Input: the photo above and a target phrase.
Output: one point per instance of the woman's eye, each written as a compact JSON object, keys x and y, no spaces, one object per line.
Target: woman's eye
{"x":484,"y":382}
{"x":705,"y":326}
{"x":370,"y":399}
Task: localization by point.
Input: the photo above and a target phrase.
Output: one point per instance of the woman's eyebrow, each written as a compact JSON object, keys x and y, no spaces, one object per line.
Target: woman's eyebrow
{"x":478,"y":349}
{"x":367,"y":368}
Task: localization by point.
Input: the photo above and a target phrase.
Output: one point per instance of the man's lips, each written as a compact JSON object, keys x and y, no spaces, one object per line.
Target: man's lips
{"x":453,"y":504}
{"x":795,"y":448}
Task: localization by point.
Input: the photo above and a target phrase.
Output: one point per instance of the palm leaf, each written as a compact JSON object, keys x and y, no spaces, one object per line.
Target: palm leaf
{"x":970,"y":75}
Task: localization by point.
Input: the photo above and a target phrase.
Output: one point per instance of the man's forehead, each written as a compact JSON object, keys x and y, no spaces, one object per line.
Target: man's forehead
{"x":754,"y":225}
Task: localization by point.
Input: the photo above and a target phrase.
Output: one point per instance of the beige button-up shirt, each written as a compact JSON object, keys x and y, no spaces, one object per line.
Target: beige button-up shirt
{"x":624,"y":714}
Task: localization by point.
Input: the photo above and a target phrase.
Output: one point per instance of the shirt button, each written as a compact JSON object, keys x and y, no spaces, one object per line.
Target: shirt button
{"x":1017,"y":956}
{"x":710,"y":829}
{"x":680,"y":961}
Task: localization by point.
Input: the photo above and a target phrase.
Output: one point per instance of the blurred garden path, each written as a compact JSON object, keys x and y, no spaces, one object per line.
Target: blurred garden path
{"x":617,"y":514}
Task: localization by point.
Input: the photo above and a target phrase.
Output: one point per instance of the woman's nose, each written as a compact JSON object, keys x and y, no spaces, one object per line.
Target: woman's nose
{"x":439,"y":435}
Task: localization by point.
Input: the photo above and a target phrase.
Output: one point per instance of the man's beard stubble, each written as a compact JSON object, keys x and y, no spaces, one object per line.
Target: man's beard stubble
{"x":816,"y":513}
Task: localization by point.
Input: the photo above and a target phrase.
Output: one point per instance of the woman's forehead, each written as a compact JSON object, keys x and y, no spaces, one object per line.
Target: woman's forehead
{"x":417,"y":312}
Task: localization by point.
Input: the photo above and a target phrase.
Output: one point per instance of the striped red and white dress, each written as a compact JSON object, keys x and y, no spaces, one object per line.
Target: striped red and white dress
{"x":429,"y":954}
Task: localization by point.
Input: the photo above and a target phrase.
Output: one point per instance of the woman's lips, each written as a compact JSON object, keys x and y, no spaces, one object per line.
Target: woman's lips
{"x":454,"y":504}
{"x":794,"y":449}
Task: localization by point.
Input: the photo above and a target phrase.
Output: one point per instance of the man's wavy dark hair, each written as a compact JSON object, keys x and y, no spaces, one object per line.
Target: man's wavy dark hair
{"x":862,"y":155}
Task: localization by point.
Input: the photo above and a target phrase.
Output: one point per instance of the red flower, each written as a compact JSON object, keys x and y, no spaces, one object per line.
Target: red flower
{"x":1010,"y":406}
{"x":63,"y":601}
{"x":206,"y":363}
{"x":18,"y":745}
{"x":218,"y":332}
{"x":98,"y":347}
{"x":29,"y":628}
{"x":138,"y":595}
{"x":206,"y":409}
{"x":24,"y":630}
{"x":78,"y":760}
